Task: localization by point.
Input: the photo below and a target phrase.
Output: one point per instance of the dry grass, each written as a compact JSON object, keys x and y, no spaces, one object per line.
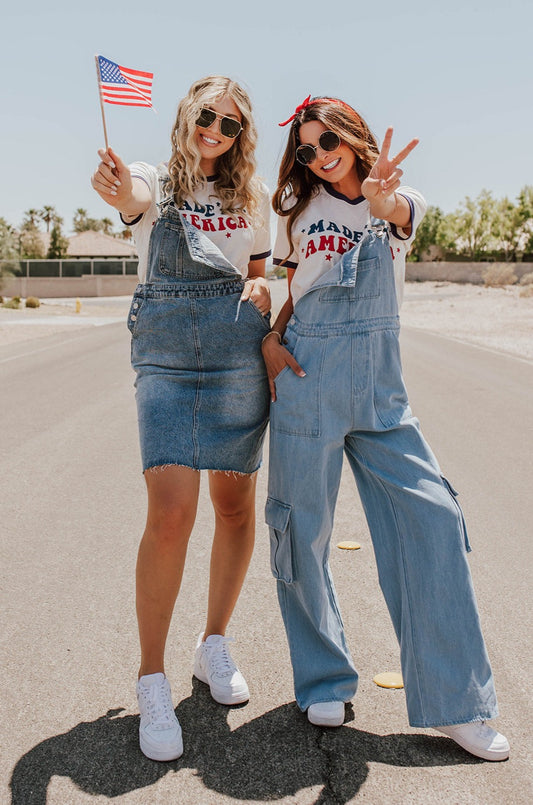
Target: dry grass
{"x":498,"y":275}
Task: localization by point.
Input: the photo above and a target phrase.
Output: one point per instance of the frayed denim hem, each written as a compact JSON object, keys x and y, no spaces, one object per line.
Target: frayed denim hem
{"x":157,"y":468}
{"x":234,"y":473}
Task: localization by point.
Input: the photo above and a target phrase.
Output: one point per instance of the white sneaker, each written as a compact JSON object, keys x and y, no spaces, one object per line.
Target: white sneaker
{"x":326,"y":714}
{"x":479,"y":739}
{"x":214,"y":666}
{"x":159,"y":730}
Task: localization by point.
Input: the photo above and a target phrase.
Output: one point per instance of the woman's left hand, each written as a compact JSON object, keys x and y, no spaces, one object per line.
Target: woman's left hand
{"x":257,"y":291}
{"x":384,"y":178}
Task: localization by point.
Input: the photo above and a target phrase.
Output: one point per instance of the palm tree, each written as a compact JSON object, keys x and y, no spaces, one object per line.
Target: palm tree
{"x":30,"y":219}
{"x":82,"y":223}
{"x":48,"y":215}
{"x":79,"y":222}
{"x":107,"y":226}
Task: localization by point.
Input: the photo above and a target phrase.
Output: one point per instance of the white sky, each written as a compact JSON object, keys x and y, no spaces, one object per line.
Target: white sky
{"x":457,"y":74}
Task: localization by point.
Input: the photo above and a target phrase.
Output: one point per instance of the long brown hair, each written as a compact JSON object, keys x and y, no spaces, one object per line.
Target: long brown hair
{"x":237,"y":187}
{"x":298,"y":180}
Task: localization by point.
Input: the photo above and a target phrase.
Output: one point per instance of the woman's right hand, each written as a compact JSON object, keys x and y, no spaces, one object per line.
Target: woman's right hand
{"x":276,"y":358}
{"x":112,"y":180}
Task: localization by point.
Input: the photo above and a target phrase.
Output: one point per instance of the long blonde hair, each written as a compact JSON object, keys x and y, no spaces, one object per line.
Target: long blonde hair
{"x":298,"y":180}
{"x":236,"y":186}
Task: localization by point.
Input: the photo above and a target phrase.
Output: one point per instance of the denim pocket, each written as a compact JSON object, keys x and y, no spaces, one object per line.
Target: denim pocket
{"x":277,"y":516}
{"x":172,"y":248}
{"x":454,"y":495}
{"x":265,"y":320}
{"x":367,"y":284}
{"x":297,"y":406}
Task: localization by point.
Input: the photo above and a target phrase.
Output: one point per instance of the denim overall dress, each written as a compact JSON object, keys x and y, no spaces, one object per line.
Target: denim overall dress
{"x":201,"y":385}
{"x":344,"y":333}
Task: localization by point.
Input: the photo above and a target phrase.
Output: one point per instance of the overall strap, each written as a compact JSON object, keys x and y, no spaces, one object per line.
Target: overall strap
{"x":164,"y":195}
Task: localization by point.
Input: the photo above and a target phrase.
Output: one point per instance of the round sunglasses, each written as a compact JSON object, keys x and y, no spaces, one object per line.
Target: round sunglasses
{"x":229,"y":127}
{"x":328,"y":141}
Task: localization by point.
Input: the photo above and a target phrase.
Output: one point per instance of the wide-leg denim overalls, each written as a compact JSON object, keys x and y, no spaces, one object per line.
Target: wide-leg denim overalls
{"x":344,"y":333}
{"x":201,"y":386}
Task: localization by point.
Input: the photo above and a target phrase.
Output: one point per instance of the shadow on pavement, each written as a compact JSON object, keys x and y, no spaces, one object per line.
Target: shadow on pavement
{"x":273,"y":756}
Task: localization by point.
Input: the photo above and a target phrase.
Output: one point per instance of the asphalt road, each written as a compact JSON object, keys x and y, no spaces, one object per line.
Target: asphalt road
{"x":71,"y":513}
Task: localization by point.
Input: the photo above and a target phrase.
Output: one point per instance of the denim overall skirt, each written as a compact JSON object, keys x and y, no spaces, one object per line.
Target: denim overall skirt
{"x":353,"y":402}
{"x":201,"y":386}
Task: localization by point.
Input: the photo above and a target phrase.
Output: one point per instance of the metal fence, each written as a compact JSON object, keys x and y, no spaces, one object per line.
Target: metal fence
{"x":70,"y":268}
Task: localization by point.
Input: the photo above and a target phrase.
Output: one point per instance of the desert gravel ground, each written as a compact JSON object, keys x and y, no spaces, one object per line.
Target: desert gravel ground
{"x":495,"y":318}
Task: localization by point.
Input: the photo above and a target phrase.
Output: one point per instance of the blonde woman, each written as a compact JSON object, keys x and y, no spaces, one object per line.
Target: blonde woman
{"x":198,"y":316}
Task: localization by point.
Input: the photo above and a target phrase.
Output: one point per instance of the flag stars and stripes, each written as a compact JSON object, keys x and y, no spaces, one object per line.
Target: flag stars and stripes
{"x":124,"y":86}
{"x":111,"y":73}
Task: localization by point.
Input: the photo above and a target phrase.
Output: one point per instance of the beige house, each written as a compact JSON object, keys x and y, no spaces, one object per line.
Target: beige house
{"x":70,"y":278}
{"x":96,"y":244}
{"x":91,"y":244}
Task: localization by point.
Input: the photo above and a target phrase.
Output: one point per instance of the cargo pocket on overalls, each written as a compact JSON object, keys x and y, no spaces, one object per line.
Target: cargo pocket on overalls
{"x":277,"y":516}
{"x":454,"y":495}
{"x":133,"y":315}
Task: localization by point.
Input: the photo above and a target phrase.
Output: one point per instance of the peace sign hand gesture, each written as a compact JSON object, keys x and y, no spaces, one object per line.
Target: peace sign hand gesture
{"x":384,"y":178}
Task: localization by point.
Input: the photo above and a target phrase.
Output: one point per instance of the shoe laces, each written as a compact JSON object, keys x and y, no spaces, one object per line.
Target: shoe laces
{"x":159,"y":705}
{"x":220,"y":659}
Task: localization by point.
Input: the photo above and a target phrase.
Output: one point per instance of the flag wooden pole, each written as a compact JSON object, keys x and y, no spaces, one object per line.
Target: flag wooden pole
{"x":98,"y":78}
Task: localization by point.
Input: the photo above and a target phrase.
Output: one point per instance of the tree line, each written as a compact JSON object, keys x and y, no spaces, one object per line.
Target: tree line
{"x":26,"y":241}
{"x":481,"y":229}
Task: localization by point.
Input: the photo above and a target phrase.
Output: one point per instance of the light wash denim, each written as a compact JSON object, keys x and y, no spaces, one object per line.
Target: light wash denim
{"x":201,"y":386}
{"x":344,"y":333}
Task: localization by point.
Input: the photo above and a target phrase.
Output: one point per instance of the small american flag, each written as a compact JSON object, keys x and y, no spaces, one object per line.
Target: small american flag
{"x":123,"y":86}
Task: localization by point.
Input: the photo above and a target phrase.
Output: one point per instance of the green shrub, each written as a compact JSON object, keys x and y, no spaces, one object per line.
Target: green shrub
{"x":527,"y":279}
{"x":498,"y":275}
{"x":13,"y":303}
{"x":32,"y":301}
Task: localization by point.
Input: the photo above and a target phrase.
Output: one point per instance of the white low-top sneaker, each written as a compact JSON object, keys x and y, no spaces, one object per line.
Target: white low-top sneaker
{"x":159,"y":731}
{"x":479,"y":739}
{"x":326,"y":714}
{"x":214,"y":666}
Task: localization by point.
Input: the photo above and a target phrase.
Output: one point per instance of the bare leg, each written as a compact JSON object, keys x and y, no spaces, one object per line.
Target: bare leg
{"x":233,"y":499}
{"x":172,"y":504}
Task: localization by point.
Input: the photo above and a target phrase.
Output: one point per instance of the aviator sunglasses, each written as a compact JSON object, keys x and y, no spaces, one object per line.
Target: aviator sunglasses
{"x":229,"y":127}
{"x":328,"y":141}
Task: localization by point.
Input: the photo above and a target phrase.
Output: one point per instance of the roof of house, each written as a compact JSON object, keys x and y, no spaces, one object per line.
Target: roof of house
{"x":96,"y":244}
